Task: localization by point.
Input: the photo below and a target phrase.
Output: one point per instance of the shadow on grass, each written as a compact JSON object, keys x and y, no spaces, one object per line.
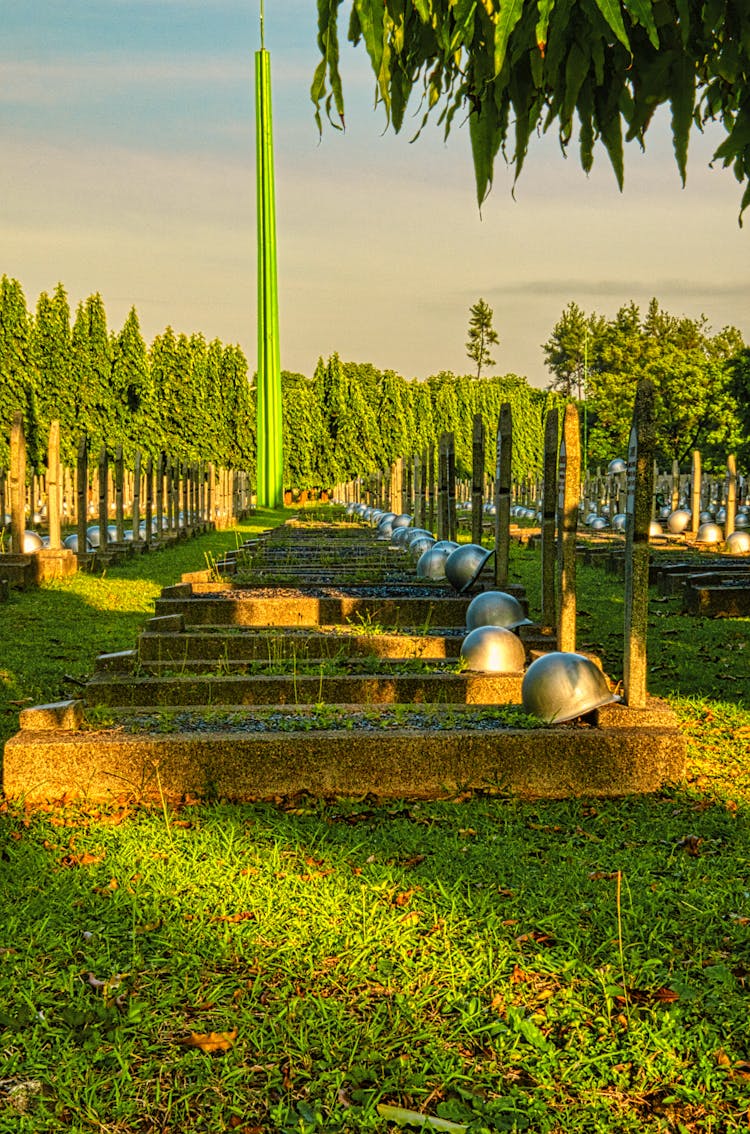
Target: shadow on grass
{"x":571,"y":966}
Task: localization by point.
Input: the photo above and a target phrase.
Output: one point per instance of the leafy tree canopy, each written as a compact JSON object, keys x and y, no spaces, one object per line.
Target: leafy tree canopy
{"x":518,"y":67}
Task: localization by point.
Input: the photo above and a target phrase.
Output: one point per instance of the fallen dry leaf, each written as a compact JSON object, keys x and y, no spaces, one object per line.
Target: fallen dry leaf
{"x":691,"y":844}
{"x":211,"y":1042}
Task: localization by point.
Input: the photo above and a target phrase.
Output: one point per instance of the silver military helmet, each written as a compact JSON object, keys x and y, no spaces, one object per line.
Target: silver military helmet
{"x":446,"y":545}
{"x":706,"y":517}
{"x":30,"y":541}
{"x":678,"y":521}
{"x":742,"y":520}
{"x":493,"y":649}
{"x":376,"y":516}
{"x":418,"y":546}
{"x":398,"y":538}
{"x":721,"y":515}
{"x":617,"y":465}
{"x":415,"y":533}
{"x":431,"y":563}
{"x":92,"y":536}
{"x":495,"y":608}
{"x":590,"y":519}
{"x":619,"y":522}
{"x":464,"y":565}
{"x":599,"y":524}
{"x":402,"y":521}
{"x":738,"y":543}
{"x":560,"y":686}
{"x":710,"y":533}
{"x":655,"y":529}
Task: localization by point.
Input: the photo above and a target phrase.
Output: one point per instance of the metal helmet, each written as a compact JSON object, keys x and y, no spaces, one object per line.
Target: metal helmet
{"x":431,"y":563}
{"x":402,"y":521}
{"x":398,"y":537}
{"x":558,"y":687}
{"x":30,"y":541}
{"x":464,"y":565}
{"x":706,"y":517}
{"x":416,"y":533}
{"x":590,"y":519}
{"x":738,"y":542}
{"x":92,"y":536}
{"x":619,"y":522}
{"x":446,"y":545}
{"x":617,"y":465}
{"x":721,"y":515}
{"x":655,"y":529}
{"x":678,"y":521}
{"x":742,"y":520}
{"x":418,"y":546}
{"x":599,"y":524}
{"x":495,"y":608}
{"x":710,"y":533}
{"x":493,"y":649}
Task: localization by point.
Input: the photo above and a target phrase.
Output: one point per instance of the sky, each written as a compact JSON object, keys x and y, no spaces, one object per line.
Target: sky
{"x":128,"y":168}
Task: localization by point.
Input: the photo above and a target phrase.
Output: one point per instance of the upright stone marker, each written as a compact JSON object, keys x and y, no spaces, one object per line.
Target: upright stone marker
{"x":477,"y":478}
{"x":503,"y":465}
{"x":119,"y":494}
{"x":675,"y":485}
{"x":17,"y":483}
{"x":103,"y":504}
{"x":136,"y":520}
{"x":82,"y":493}
{"x":442,"y":488}
{"x":450,"y":468}
{"x":695,"y":492}
{"x":53,"y":484}
{"x":731,"y":506}
{"x":549,"y":499}
{"x":569,"y":472}
{"x":640,"y":475}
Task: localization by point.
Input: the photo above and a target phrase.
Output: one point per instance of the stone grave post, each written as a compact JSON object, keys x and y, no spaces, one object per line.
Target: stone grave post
{"x":654,"y":492}
{"x":503,"y":465}
{"x":17,"y":483}
{"x":418,"y":497}
{"x":442,"y":489}
{"x":731,"y":505}
{"x":186,"y":517}
{"x":695,"y":492}
{"x":136,"y":510}
{"x":569,"y":493}
{"x":408,"y":486}
{"x":159,"y":492}
{"x":82,"y":493}
{"x":211,"y":492}
{"x":429,"y":461}
{"x":675,"y":501}
{"x":149,"y":509}
{"x":549,"y":500}
{"x":119,"y":494}
{"x":103,"y":498}
{"x":477,"y":477}
{"x":450,"y":472}
{"x":168,"y":494}
{"x":53,"y":484}
{"x":3,"y":505}
{"x":640,"y":473}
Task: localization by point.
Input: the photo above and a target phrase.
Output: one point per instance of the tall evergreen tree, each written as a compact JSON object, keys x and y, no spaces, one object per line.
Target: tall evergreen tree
{"x":131,"y":387}
{"x":17,"y":371}
{"x":51,"y":349}
{"x":92,"y":371}
{"x":482,"y":335}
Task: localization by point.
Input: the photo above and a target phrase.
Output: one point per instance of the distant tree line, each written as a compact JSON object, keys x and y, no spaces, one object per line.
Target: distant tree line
{"x":195,"y":400}
{"x":701,"y":379}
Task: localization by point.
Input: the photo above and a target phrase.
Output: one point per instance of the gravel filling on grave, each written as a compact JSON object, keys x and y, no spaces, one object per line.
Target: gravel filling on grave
{"x":331,"y":719}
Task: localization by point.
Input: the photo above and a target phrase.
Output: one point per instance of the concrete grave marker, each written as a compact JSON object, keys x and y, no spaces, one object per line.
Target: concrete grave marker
{"x":17,"y":483}
{"x":503,"y":465}
{"x":477,"y":477}
{"x":569,"y":491}
{"x":640,"y":473}
{"x":549,"y":547}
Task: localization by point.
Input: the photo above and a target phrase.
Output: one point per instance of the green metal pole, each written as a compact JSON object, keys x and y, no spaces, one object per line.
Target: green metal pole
{"x":270,"y":457}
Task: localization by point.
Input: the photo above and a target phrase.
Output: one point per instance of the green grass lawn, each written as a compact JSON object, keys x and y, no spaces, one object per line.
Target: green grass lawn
{"x":567,"y":967}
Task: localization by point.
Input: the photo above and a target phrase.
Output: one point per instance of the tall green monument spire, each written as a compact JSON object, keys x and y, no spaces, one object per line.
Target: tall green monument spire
{"x":270,"y":455}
